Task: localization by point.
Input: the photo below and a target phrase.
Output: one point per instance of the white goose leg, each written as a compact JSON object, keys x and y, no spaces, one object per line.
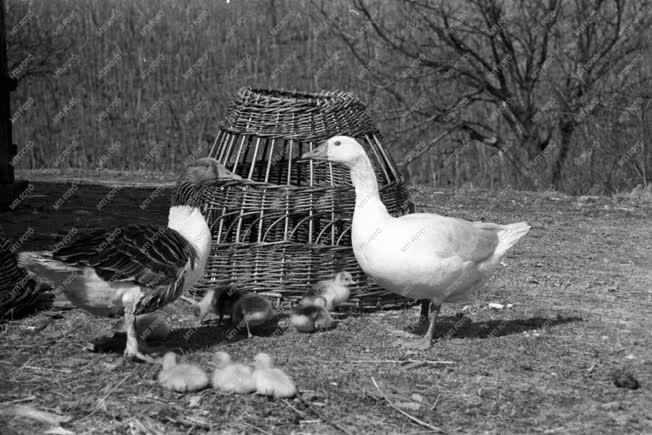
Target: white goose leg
{"x":423,"y":317}
{"x":130,"y":300}
{"x":433,"y":321}
{"x":426,"y":342}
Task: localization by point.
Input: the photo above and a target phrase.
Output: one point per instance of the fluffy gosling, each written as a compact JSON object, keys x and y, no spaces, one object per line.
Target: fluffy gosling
{"x":271,"y":381}
{"x":182,"y":378}
{"x":232,"y":377}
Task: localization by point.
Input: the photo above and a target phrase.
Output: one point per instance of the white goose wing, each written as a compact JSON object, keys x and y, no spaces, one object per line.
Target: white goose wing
{"x":449,"y":237}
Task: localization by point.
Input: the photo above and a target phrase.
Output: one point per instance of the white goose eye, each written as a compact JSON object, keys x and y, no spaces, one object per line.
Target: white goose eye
{"x":337,"y":143}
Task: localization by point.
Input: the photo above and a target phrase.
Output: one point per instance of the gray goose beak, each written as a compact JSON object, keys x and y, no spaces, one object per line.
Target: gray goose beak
{"x":225,"y":174}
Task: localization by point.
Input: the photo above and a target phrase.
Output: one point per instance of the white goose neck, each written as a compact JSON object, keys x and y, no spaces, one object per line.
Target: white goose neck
{"x":364,"y":181}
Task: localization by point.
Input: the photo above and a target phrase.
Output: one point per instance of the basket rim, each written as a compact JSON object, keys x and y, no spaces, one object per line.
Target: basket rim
{"x":282,"y":95}
{"x":297,"y":115}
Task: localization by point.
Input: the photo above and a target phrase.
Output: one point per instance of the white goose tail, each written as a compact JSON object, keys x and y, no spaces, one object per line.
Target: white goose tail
{"x":509,"y":235}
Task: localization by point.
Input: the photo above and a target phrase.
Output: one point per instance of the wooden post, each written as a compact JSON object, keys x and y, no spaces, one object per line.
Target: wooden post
{"x":7,"y":148}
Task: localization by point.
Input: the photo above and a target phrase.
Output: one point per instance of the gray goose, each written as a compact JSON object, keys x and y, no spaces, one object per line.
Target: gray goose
{"x":137,"y":269}
{"x":21,"y":293}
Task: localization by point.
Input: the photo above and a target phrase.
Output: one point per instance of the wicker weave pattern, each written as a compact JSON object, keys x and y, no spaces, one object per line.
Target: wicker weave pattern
{"x":294,"y":115}
{"x":20,"y":294}
{"x":288,"y":224}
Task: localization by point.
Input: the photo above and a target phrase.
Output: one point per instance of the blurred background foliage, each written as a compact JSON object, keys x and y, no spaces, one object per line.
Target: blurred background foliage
{"x":489,"y":93}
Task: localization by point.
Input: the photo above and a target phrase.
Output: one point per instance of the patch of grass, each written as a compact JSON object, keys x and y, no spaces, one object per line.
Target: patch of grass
{"x":579,"y":283}
{"x":639,"y":194}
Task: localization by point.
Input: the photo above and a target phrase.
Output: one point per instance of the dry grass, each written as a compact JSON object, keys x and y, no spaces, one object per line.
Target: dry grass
{"x":580,"y":288}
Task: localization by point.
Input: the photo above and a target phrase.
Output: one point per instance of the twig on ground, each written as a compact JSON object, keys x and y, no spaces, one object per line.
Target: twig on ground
{"x":434,"y":405}
{"x":15,"y":372}
{"x":48,"y":369}
{"x":255,"y":427}
{"x":321,"y":417}
{"x":392,"y":361}
{"x":411,"y":417}
{"x":29,"y":346}
{"x":101,"y":399}
{"x":142,"y":427}
{"x":301,"y":413}
{"x":30,"y":412}
{"x":24,"y":399}
{"x":122,"y":423}
{"x":197,"y":422}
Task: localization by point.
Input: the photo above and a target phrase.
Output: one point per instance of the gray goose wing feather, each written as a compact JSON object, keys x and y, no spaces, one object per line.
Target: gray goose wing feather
{"x":154,"y":257}
{"x":21,"y":292}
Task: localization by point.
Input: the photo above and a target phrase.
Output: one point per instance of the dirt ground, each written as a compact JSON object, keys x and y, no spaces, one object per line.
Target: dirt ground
{"x":577,"y":299}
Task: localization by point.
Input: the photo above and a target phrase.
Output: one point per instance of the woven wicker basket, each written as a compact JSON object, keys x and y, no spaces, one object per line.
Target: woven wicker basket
{"x":295,"y":229}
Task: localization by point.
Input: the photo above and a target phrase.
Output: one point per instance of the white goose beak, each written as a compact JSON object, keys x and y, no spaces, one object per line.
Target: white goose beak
{"x":319,"y":153}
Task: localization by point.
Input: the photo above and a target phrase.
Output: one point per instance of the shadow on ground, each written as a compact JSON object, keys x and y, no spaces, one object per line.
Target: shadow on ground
{"x":182,"y":340}
{"x":463,"y":327}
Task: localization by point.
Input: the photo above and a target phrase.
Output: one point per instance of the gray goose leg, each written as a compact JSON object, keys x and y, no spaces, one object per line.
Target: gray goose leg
{"x":130,"y":301}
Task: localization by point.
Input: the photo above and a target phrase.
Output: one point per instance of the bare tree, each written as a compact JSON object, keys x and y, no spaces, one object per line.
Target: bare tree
{"x":33,"y":50}
{"x":514,"y":75}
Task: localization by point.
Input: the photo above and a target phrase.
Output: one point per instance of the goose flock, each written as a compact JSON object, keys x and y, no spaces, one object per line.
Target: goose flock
{"x":137,"y":269}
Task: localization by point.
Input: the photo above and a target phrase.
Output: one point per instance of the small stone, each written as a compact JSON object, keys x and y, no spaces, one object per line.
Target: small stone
{"x":496,"y":306}
{"x":417,"y":397}
{"x":624,"y":379}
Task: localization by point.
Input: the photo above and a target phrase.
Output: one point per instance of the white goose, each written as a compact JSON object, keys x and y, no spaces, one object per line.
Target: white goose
{"x":136,"y":268}
{"x":420,"y":255}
